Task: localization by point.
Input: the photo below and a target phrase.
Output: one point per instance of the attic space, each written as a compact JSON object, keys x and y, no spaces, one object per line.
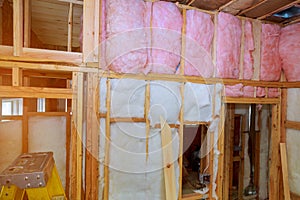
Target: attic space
{"x":147,"y":99}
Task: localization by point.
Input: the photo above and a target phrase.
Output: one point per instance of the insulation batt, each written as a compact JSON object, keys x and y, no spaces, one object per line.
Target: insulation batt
{"x":289,"y":48}
{"x":270,"y":69}
{"x":199,"y":34}
{"x":228,"y":46}
{"x":234,"y":90}
{"x":165,"y":37}
{"x":126,"y":37}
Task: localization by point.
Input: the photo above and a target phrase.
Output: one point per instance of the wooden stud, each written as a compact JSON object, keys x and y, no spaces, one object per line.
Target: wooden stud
{"x":181,"y":112}
{"x":274,"y":186}
{"x":146,"y":115}
{"x":214,"y":48}
{"x":70,"y":27}
{"x":92,"y":138}
{"x":25,"y":131}
{"x":283,"y":114}
{"x":16,"y":76}
{"x":107,"y":141}
{"x":221,"y":147}
{"x":194,"y":196}
{"x":285,"y":174}
{"x":18,"y":26}
{"x":27,"y":23}
{"x":68,"y":151}
{"x":241,"y":76}
{"x":168,"y":160}
{"x":242,"y":154}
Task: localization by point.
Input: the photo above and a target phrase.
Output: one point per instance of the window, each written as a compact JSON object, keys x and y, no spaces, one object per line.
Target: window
{"x":12,"y":106}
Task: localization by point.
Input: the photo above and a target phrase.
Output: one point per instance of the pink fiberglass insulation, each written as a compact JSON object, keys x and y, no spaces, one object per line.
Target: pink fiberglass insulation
{"x":126,"y":40}
{"x":199,"y":34}
{"x":272,"y":92}
{"x":165,"y":37}
{"x":228,"y":45}
{"x":234,"y":90}
{"x":289,"y":48}
{"x":270,"y":69}
{"x":248,"y":49}
{"x":248,"y":91}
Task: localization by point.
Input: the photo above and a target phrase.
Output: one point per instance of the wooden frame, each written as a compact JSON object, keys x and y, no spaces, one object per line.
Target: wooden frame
{"x":20,"y":56}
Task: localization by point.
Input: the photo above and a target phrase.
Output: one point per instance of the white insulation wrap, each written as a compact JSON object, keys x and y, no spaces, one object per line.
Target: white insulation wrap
{"x":102,"y":92}
{"x":131,"y":175}
{"x":293,"y":140}
{"x":165,"y":101}
{"x":102,"y":139}
{"x":10,"y":142}
{"x":127,"y":98}
{"x":49,"y":134}
{"x":197,"y":104}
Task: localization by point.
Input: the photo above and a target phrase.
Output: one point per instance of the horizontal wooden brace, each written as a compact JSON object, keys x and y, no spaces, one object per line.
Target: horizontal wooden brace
{"x":251,"y":100}
{"x":292,"y":125}
{"x":35,"y":92}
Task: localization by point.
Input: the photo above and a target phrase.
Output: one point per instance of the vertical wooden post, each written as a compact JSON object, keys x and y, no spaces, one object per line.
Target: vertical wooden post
{"x":25,"y":131}
{"x":92,"y":138}
{"x":181,"y":117}
{"x":285,"y":175}
{"x":242,"y":155}
{"x":221,"y":147}
{"x":77,"y":124}
{"x":91,"y":10}
{"x":107,"y":141}
{"x":70,"y":27}
{"x":283,"y":114}
{"x":16,"y":76}
{"x":18,"y":26}
{"x":27,"y":23}
{"x":146,"y":115}
{"x":274,"y":154}
{"x":68,"y":151}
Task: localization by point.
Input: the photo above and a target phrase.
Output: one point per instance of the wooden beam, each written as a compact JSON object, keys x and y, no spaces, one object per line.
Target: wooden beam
{"x":285,"y":174}
{"x":289,"y":22}
{"x":92,"y":138}
{"x":283,"y":114}
{"x":244,"y":100}
{"x":292,"y":125}
{"x":18,"y":26}
{"x":194,"y":196}
{"x":107,"y":141}
{"x":40,"y":55}
{"x":70,"y":27}
{"x":68,"y":151}
{"x":25,"y":131}
{"x":274,"y":165}
{"x":35,"y":92}
{"x":168,"y":160}
{"x":27,"y":23}
{"x":127,"y":119}
{"x":226,"y":5}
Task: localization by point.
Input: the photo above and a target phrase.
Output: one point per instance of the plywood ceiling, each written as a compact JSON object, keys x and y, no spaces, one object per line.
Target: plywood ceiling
{"x":50,"y":22}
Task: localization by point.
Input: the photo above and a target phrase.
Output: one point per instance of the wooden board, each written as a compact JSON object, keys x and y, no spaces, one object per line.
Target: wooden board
{"x":285,"y":174}
{"x":169,"y":171}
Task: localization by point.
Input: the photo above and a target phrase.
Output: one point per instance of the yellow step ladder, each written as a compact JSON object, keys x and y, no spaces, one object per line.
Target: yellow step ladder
{"x":34,"y":174}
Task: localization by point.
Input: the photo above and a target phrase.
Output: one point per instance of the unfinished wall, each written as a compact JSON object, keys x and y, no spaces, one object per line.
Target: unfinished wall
{"x":10,"y":142}
{"x":132,"y":157}
{"x":293,"y":140}
{"x":49,"y":134}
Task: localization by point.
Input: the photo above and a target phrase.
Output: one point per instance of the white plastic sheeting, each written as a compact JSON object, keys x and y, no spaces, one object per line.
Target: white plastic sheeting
{"x":102,"y":92}
{"x":165,"y":101}
{"x":48,"y":134}
{"x":197,"y":104}
{"x":127,"y":98}
{"x":128,"y":162}
{"x":10,"y":142}
{"x":293,"y":140}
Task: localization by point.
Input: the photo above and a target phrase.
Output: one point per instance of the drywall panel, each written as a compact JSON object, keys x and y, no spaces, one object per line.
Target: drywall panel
{"x":293,"y":149}
{"x":10,"y":142}
{"x":49,"y":134}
